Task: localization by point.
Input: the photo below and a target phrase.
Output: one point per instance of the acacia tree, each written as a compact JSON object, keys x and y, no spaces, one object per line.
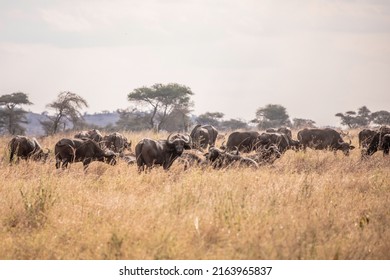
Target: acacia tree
{"x":365,"y":114}
{"x":353,"y":120}
{"x":178,"y":120}
{"x":12,"y":114}
{"x":233,"y":124}
{"x":272,"y":115}
{"x":132,"y":120}
{"x":211,"y":118}
{"x":162,"y":100}
{"x":67,"y":108}
{"x":302,"y":123}
{"x":381,"y":117}
{"x":347,"y":118}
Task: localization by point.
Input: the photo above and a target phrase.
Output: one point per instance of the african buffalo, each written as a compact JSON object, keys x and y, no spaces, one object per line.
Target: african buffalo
{"x":192,"y":158}
{"x":116,"y":142}
{"x":130,"y":159}
{"x":281,"y":140}
{"x":322,"y":139}
{"x":383,"y":130}
{"x":365,"y":136}
{"x":25,"y":148}
{"x":386,"y":144}
{"x":203,"y":135}
{"x":378,"y":142}
{"x":283,"y":129}
{"x":79,"y":150}
{"x":162,"y":152}
{"x":266,"y":155}
{"x":220,"y":158}
{"x":243,"y":141}
{"x":93,"y":134}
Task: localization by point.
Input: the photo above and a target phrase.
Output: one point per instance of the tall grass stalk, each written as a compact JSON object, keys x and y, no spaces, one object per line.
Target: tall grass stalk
{"x":313,"y":205}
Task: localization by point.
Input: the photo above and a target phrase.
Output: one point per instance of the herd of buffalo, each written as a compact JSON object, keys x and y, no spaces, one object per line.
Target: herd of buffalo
{"x":242,"y":148}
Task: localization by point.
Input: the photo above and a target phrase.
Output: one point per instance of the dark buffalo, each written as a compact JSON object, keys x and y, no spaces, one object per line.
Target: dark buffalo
{"x":283,"y":129}
{"x":25,"y":148}
{"x":192,"y":158}
{"x":203,"y":135}
{"x":383,"y":130}
{"x":266,"y":155}
{"x":386,"y":144}
{"x":378,"y":142}
{"x":116,"y":142}
{"x":243,"y":141}
{"x":78,"y":150}
{"x":280,"y":140}
{"x":93,"y":134}
{"x":130,"y":159}
{"x":365,"y":136}
{"x":322,"y":139}
{"x":220,"y":158}
{"x":161,"y":152}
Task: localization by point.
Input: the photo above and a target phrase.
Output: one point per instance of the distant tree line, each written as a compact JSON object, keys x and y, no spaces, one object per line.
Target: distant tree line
{"x":161,"y":107}
{"x":363,"y":117}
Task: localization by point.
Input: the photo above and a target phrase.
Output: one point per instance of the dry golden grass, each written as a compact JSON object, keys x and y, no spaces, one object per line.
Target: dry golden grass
{"x":310,"y":205}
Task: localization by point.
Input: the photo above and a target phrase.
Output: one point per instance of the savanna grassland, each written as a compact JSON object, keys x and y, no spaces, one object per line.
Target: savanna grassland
{"x":312,"y":205}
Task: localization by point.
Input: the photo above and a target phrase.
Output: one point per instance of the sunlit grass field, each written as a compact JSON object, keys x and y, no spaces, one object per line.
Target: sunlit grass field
{"x":313,"y":205}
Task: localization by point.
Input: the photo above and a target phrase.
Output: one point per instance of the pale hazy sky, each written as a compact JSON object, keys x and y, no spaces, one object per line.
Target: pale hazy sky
{"x":314,"y":57}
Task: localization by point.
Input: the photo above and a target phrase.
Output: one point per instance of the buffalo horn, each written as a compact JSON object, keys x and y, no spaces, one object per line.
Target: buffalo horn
{"x":186,"y":139}
{"x":171,"y":138}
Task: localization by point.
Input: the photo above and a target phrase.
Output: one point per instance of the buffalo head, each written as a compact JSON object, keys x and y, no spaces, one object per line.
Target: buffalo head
{"x":179,"y":142}
{"x":345,"y":147}
{"x":109,"y":157}
{"x":41,"y":155}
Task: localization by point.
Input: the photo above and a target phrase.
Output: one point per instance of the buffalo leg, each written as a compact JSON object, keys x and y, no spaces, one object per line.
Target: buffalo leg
{"x":65,"y":163}
{"x":386,"y":150}
{"x":86,"y":163}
